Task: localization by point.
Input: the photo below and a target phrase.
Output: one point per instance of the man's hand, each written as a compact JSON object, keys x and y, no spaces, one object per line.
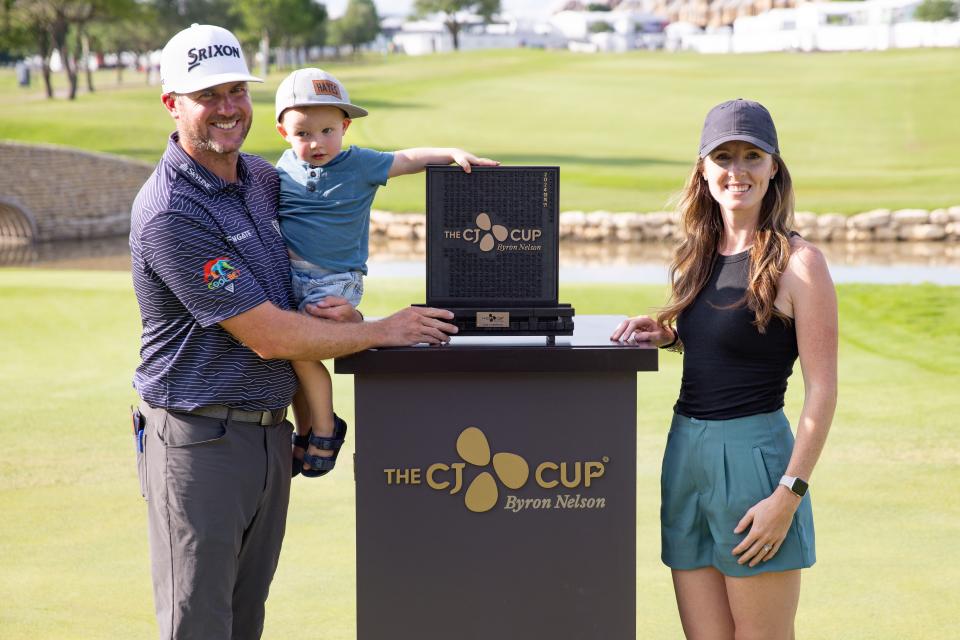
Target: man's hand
{"x":414,"y":325}
{"x":334,"y":308}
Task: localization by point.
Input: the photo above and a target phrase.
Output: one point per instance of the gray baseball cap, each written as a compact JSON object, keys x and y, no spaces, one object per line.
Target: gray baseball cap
{"x":738,"y":120}
{"x":314,"y":87}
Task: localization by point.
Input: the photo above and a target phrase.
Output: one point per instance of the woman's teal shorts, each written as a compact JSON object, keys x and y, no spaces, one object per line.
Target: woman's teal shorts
{"x":713,"y":472}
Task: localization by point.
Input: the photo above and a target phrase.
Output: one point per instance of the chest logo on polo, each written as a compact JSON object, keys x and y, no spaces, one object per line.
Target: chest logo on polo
{"x":219,"y":273}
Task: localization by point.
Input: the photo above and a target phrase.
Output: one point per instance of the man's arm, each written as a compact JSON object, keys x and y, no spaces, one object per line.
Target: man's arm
{"x":273,"y":333}
{"x":407,"y":161}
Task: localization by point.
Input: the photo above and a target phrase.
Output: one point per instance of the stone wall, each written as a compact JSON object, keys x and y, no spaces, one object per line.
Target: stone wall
{"x":60,"y":193}
{"x":877,"y":225}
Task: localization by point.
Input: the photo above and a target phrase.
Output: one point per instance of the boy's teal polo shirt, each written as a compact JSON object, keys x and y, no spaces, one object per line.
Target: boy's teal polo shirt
{"x":325,"y":211}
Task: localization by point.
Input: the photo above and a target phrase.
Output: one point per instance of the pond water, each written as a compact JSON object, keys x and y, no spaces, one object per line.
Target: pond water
{"x":643,"y":263}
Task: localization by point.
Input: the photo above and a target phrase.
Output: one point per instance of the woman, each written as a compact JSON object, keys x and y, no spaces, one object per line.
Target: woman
{"x":748,"y":296}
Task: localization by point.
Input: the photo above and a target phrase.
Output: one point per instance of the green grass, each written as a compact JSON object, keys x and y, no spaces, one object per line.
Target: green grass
{"x":859,"y":130}
{"x":73,"y":550}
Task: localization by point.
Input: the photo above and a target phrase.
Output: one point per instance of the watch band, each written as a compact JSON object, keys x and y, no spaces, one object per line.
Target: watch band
{"x":796,"y":485}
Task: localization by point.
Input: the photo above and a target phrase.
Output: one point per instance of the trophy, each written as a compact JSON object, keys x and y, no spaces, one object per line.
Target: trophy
{"x":493,"y":246}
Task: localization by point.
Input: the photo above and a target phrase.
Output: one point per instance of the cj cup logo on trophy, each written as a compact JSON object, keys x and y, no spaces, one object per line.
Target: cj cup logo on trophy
{"x":493,"y":250}
{"x":489,"y":236}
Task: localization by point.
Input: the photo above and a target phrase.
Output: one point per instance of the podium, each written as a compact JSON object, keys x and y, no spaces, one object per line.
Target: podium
{"x":496,"y":487}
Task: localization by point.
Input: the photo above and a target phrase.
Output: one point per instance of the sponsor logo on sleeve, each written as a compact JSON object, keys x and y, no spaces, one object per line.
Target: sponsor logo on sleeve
{"x":219,"y":273}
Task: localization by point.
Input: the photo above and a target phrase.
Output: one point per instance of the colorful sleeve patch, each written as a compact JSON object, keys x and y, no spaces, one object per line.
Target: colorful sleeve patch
{"x":219,"y":273}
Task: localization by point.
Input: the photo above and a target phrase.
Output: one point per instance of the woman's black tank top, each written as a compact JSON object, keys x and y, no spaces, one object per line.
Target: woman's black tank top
{"x":730,"y":369}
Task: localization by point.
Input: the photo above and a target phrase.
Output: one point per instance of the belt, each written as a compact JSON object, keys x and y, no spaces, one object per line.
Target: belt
{"x":223,"y":412}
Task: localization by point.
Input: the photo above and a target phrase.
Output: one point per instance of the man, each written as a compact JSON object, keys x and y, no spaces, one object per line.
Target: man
{"x":211,"y":275}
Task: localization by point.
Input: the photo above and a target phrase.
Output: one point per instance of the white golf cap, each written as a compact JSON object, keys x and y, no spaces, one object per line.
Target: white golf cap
{"x":314,"y":87}
{"x":202,"y":56}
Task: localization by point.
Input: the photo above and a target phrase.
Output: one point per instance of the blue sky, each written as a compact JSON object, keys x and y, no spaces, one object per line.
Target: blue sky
{"x":524,"y":8}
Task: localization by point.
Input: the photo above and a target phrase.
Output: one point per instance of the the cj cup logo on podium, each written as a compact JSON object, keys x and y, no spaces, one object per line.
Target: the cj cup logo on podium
{"x":487,"y":235}
{"x":512,"y":471}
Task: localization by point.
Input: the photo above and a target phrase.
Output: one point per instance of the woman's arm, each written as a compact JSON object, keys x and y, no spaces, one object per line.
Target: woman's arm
{"x":811,"y":296}
{"x":815,"y":316}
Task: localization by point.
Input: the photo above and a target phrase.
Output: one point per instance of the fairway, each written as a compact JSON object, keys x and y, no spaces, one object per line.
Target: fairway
{"x":858,"y":130}
{"x":73,"y":545}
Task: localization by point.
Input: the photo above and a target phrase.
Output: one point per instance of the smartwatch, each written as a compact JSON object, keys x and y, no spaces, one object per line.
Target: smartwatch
{"x":798,"y":486}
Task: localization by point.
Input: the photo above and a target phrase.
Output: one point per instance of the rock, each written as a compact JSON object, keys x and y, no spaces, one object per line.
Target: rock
{"x":953,"y":230}
{"x":912,"y":216}
{"x":805,"y":219}
{"x":859,"y":235}
{"x":832,"y":221}
{"x":885,"y":234}
{"x":400,"y":231}
{"x":600,"y":218}
{"x":870,"y":219}
{"x":940,"y":216}
{"x":656,"y":219}
{"x":922,"y":232}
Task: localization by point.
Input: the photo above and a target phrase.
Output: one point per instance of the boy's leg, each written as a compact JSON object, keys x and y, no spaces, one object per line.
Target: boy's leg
{"x":317,"y":389}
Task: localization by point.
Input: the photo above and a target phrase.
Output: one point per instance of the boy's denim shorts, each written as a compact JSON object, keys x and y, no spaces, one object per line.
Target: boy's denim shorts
{"x":713,"y":472}
{"x":312,"y":283}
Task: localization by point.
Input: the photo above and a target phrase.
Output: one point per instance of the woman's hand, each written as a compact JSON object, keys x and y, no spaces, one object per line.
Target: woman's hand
{"x":768,"y":520}
{"x":643,"y":329}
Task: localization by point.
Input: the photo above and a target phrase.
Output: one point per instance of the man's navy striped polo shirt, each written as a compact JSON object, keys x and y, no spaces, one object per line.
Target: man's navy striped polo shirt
{"x":205,"y":250}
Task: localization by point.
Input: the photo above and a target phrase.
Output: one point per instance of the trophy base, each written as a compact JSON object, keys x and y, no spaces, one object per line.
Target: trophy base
{"x":513,"y":321}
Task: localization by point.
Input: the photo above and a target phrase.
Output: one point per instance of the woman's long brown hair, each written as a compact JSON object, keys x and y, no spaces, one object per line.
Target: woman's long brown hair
{"x":702,"y":228}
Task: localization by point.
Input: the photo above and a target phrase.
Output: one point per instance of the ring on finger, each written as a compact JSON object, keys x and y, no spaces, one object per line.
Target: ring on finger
{"x":766,"y":548}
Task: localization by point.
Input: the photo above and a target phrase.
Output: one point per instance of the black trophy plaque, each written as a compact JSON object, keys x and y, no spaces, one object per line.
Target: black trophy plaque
{"x":493,"y":249}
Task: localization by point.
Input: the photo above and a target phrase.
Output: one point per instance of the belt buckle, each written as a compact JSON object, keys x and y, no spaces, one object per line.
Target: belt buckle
{"x":271,"y":418}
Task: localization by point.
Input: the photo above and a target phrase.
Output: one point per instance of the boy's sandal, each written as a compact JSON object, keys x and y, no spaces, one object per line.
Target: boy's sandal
{"x":320,"y":465}
{"x":301,"y":442}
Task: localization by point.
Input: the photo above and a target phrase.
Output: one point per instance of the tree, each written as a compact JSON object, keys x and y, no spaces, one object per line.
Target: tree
{"x":287,"y":20}
{"x":50,"y":22}
{"x":136,"y":32}
{"x":451,"y":9}
{"x":359,"y":25}
{"x":15,"y":36}
{"x":936,"y":10}
{"x":96,"y":11}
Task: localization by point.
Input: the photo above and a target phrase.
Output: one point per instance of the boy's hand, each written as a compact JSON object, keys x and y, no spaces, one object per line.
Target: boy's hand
{"x":334,"y":308}
{"x":465,"y":159}
{"x":407,"y":161}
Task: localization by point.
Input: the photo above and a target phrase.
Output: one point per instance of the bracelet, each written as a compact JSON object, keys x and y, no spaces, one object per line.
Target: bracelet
{"x":672,"y":343}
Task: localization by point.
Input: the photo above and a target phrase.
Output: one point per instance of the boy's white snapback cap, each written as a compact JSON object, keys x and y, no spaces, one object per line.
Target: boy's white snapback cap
{"x":202,"y":56}
{"x":314,"y":87}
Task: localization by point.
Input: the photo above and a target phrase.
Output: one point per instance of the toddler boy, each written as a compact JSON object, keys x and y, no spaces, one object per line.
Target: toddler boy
{"x":325,"y":198}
